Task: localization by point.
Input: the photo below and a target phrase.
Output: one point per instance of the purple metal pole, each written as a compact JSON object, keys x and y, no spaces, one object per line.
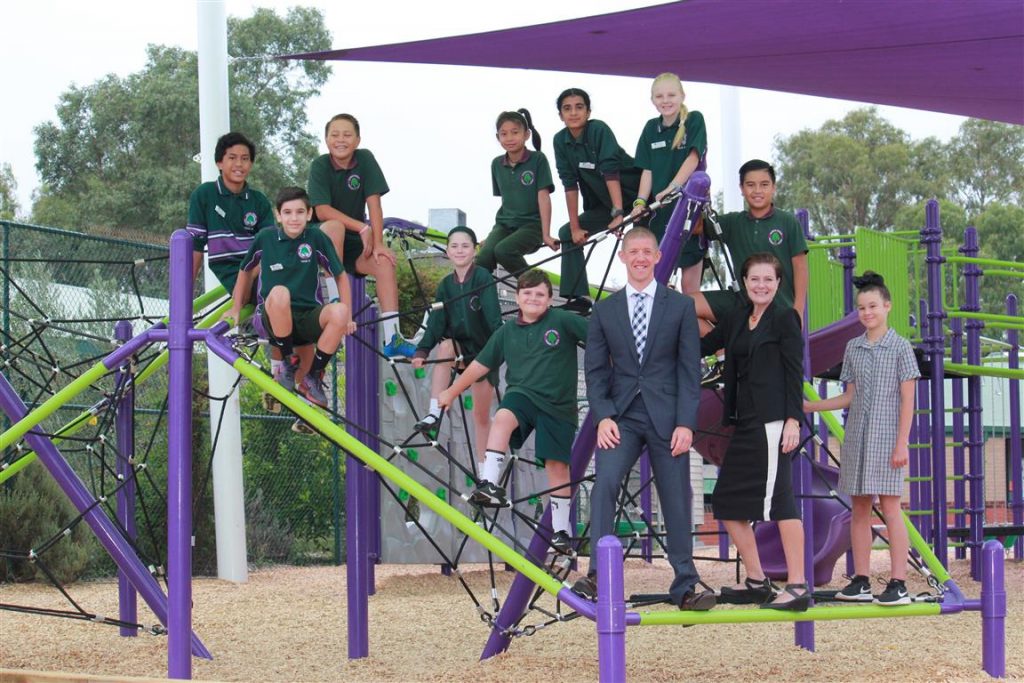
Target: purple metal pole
{"x":803,"y":631}
{"x":847,"y":257}
{"x":1016,"y":476}
{"x":694,"y":195}
{"x":105,"y":531}
{"x":124,"y":425}
{"x":956,"y":344}
{"x":356,"y":541}
{"x":919,"y":432}
{"x":993,"y":610}
{"x":179,"y":459}
{"x":611,"y":612}
{"x":935,"y":346}
{"x":646,"y":545}
{"x":931,"y":415}
{"x":975,"y":443}
{"x":372,"y":370}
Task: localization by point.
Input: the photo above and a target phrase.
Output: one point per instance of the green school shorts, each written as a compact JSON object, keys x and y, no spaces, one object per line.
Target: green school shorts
{"x":554,"y":436}
{"x":305,"y":325}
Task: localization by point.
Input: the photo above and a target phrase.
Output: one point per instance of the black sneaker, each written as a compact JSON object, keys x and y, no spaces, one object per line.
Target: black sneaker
{"x":895,"y":593}
{"x":711,"y":374}
{"x":488,"y":495}
{"x":427,"y":425}
{"x":586,"y":588}
{"x":858,"y":590}
{"x":578,"y":304}
{"x":561,"y":543}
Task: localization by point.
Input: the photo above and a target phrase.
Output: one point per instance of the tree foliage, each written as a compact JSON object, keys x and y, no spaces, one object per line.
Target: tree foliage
{"x":120,"y":154}
{"x":857,"y":172}
{"x":986,"y":160}
{"x":9,"y":206}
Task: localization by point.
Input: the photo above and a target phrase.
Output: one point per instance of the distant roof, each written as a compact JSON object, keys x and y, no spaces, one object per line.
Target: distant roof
{"x":953,"y":56}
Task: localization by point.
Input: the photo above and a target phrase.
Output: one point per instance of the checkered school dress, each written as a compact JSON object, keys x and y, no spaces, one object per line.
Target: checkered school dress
{"x":877,"y":370}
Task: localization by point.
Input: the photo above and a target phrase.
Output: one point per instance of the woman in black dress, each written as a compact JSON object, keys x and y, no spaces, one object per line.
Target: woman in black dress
{"x":763,"y":380}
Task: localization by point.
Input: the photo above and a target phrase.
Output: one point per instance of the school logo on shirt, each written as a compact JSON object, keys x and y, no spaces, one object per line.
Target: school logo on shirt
{"x":474,"y":303}
{"x":250,"y":219}
{"x":354,"y":182}
{"x":305,"y":252}
{"x":527,"y":178}
{"x":552,"y":338}
{"x":775,"y":237}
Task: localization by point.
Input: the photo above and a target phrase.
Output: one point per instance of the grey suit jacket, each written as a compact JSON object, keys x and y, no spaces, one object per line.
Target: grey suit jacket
{"x":669,"y":377}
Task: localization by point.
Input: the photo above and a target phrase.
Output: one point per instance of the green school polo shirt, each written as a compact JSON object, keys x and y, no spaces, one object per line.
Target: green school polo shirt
{"x":518,"y":185}
{"x":540,"y":360}
{"x":225,"y":224}
{"x":654,"y":149}
{"x":778,"y":233}
{"x":469,"y":320}
{"x":346,"y":189}
{"x":294,"y":262}
{"x":588,"y":162}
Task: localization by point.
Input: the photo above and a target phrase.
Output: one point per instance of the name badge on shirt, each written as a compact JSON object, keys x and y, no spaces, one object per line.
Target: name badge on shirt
{"x":276,"y":266}
{"x":658,"y":145}
{"x":589,"y":165}
{"x":220,"y":211}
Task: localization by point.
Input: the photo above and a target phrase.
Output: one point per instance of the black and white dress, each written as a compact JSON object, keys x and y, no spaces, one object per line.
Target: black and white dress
{"x":755,"y":481}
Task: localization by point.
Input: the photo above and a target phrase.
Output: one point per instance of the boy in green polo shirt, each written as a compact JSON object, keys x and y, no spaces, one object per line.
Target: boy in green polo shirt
{"x":345,"y":185}
{"x":225,"y":214}
{"x":761,"y":228}
{"x":538,"y":349}
{"x":289,"y":300}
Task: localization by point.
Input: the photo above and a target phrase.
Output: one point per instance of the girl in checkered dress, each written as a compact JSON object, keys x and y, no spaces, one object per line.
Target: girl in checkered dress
{"x":880,"y":370}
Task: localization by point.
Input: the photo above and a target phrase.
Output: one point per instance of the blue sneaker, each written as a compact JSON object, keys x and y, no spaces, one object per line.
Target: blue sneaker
{"x":285,"y":375}
{"x":398,"y":346}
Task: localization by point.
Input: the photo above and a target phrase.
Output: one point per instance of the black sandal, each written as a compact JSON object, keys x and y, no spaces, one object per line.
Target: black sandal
{"x":800,"y":602}
{"x":755,"y":593}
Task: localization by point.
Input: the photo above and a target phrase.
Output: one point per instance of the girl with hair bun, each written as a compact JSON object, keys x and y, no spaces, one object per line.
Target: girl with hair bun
{"x":523,"y":181}
{"x":879,"y":369}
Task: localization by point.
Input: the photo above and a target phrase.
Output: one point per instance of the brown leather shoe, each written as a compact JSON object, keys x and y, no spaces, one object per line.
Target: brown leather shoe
{"x":698,"y":602}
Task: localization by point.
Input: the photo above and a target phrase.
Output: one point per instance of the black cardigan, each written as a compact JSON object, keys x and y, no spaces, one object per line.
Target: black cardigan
{"x":776,"y":362}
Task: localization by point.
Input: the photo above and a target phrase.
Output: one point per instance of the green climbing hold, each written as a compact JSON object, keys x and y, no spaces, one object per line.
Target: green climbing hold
{"x":390,"y":388}
{"x":468,"y":402}
{"x":420,"y":373}
{"x":412,"y":454}
{"x":403,"y":495}
{"x":441,"y":493}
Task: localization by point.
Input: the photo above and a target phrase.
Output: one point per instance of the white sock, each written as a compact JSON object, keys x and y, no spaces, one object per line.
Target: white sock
{"x":389,"y":325}
{"x":435,"y":409}
{"x":560,"y":513}
{"x":274,"y":365}
{"x":720,"y":357}
{"x":491,"y":469}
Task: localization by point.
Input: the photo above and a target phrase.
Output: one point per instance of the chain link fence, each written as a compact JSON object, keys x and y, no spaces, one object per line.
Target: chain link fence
{"x":62,"y":294}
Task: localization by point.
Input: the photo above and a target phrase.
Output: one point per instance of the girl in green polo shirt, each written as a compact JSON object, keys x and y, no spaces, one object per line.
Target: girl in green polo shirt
{"x":523,"y":181}
{"x":591,"y":165}
{"x":671,"y":147}
{"x":470,"y":316}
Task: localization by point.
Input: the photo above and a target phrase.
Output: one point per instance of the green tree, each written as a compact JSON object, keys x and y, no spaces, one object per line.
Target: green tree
{"x":9,"y":207}
{"x":1001,"y":236}
{"x":120,"y":154}
{"x":986,"y":161}
{"x":952,"y":217}
{"x":857,"y":172}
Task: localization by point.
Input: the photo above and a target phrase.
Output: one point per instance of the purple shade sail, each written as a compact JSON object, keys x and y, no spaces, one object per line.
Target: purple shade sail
{"x":947,"y":56}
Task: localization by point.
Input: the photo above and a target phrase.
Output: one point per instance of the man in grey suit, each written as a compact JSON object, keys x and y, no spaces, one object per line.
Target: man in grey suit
{"x":643,"y":383}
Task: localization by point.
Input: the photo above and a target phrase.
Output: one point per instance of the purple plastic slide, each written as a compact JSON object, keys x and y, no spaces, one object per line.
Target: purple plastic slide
{"x":831,"y":518}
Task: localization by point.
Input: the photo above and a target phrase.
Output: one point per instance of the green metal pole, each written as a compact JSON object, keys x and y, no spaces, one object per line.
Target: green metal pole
{"x":425,"y":496}
{"x":1006,"y":373}
{"x":756,"y":616}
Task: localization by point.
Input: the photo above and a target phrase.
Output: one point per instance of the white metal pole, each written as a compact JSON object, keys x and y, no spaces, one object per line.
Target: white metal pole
{"x":228,"y":488}
{"x":732,"y":147}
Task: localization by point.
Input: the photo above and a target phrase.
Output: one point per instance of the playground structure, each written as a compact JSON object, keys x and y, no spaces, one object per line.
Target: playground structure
{"x":361,"y":365}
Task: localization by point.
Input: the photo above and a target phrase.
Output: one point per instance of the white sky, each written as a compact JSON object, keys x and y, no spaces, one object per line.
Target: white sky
{"x":431,"y":127}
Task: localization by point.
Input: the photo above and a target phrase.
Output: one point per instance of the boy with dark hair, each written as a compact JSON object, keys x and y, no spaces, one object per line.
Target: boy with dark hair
{"x":761,"y":228}
{"x":224,"y":215}
{"x":289,"y":300}
{"x":538,"y":349}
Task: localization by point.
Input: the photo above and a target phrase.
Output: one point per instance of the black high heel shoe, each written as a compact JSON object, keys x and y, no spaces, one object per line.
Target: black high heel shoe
{"x":800,"y":602}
